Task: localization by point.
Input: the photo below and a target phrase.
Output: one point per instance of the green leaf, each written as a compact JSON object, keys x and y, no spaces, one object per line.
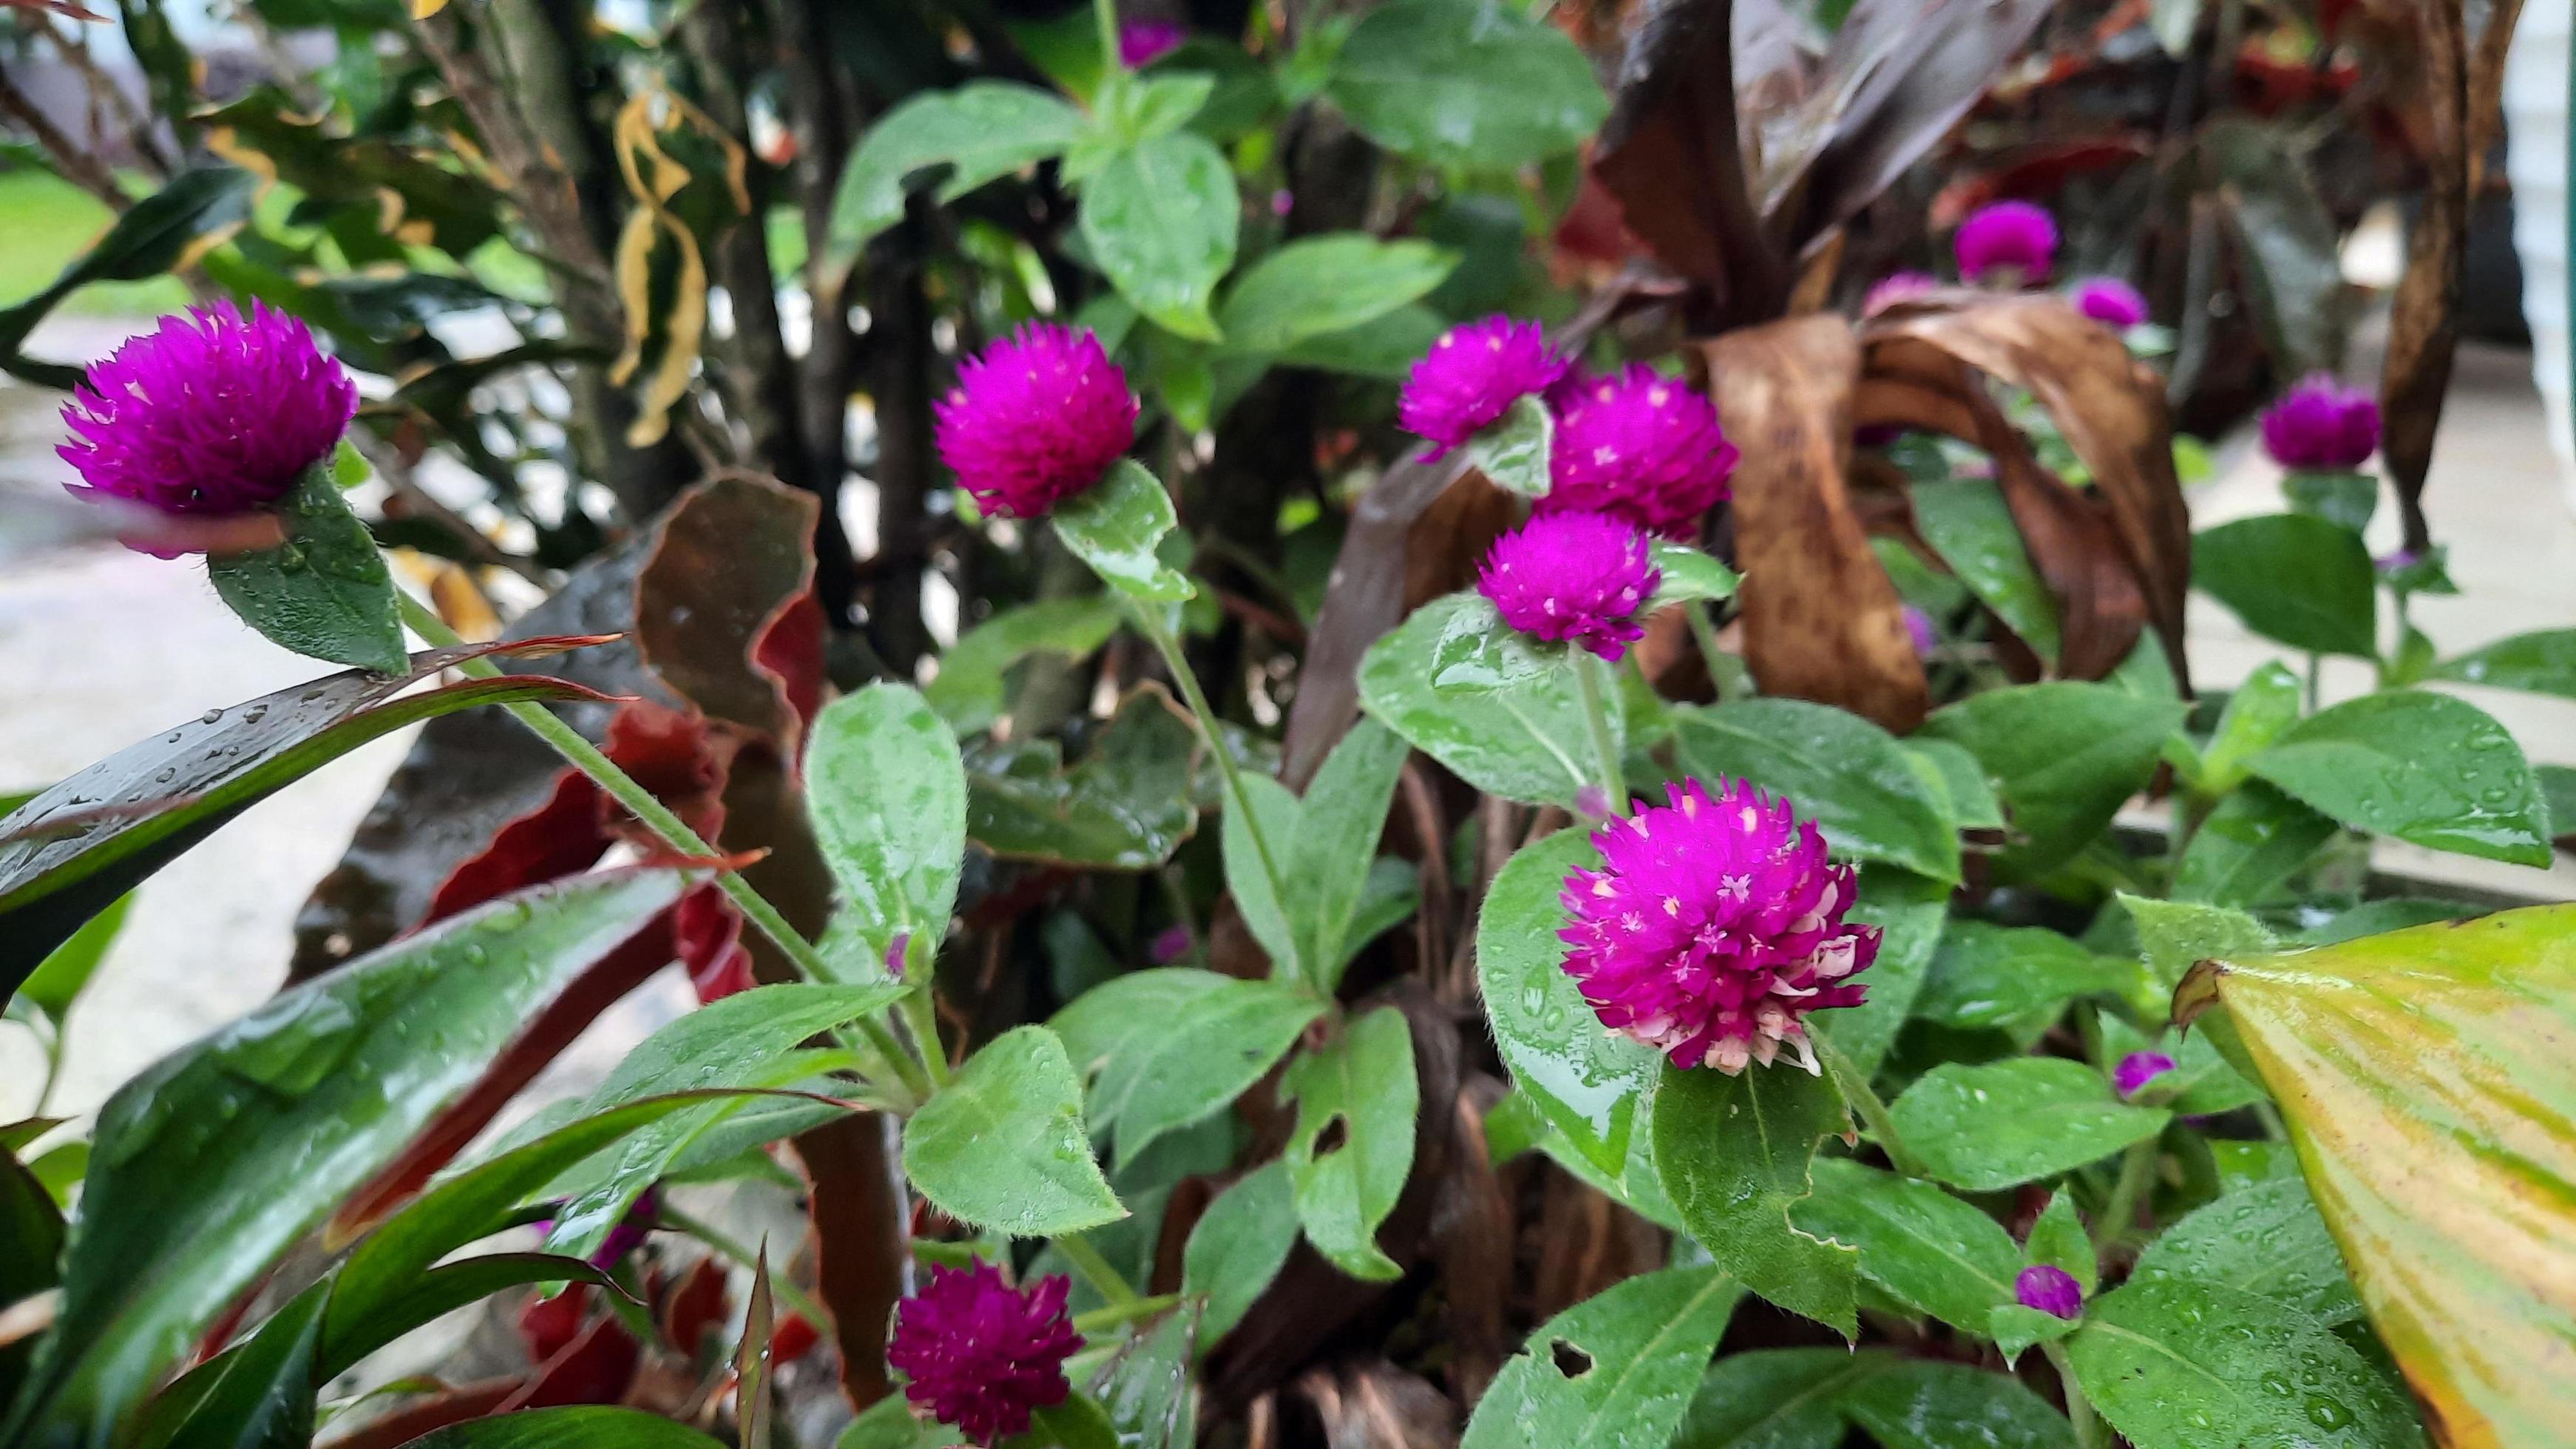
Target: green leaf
{"x":1616,"y":1371}
{"x":209,"y":1164}
{"x":2257,"y":711}
{"x":1968,"y":524}
{"x":2345,"y":500}
{"x":737,"y":1041}
{"x":1145,"y":1398}
{"x":1967,"y":799}
{"x":1522,"y":742}
{"x":967,"y":691}
{"x":2014,"y":1121}
{"x":2015,"y":1328}
{"x":154,"y":235}
{"x":260,"y":1395}
{"x":887,"y":791}
{"x":1477,"y":652}
{"x":2266,"y":1240}
{"x":2065,"y":756}
{"x":1133,"y":110}
{"x":1476,"y":88}
{"x":1117,"y":527}
{"x":1780,"y":1398}
{"x":1125,"y":807}
{"x":2541,"y":662}
{"x":2255,"y":840}
{"x":1080,"y":1422}
{"x":1238,"y":1246}
{"x":2199,"y":1366}
{"x":1385,"y":349}
{"x":1160,"y":221}
{"x":1734,"y":1153}
{"x":979,"y":131}
{"x":2423,"y":1076}
{"x":325,"y":591}
{"x":2017,"y":978}
{"x":1174,"y":1045}
{"x":1353,"y":1144}
{"x":1326,"y":284}
{"x":2057,"y":1239}
{"x":1689,"y":576}
{"x":584,"y":1427}
{"x":888,"y":1423}
{"x":2172,"y":935}
{"x":1844,"y":773}
{"x":1513,"y":450}
{"x":1927,"y":1404}
{"x":2423,"y":767}
{"x":1586,"y":1081}
{"x":1325,"y":848}
{"x":57,"y":980}
{"x":1003,"y":1147}
{"x":1930,"y":1251}
{"x":2292,"y":578}
{"x":1910,"y":912}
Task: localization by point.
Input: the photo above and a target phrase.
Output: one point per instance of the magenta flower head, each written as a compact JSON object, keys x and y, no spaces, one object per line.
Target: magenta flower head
{"x":1897,"y":287}
{"x":1142,"y":42}
{"x":2321,"y":425}
{"x":213,"y":413}
{"x":2050,"y":1290}
{"x":1573,"y":576}
{"x":2137,"y":1069}
{"x":2012,"y":242}
{"x":2113,"y":303}
{"x":1638,"y":445}
{"x":1473,"y":374}
{"x":1714,"y":925}
{"x":1036,"y":419}
{"x":982,"y":1355}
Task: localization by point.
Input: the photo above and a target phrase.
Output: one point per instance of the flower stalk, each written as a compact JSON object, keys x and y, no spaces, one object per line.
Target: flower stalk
{"x":1864,"y":1099}
{"x":1149,"y":619}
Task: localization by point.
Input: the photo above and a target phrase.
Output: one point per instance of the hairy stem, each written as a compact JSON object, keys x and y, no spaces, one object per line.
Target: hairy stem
{"x":725,"y":1247}
{"x":1588,"y":672}
{"x":1095,"y":1269}
{"x":2089,"y":1430}
{"x":2136,"y":1166}
{"x":1151,"y":622}
{"x":1864,"y":1099}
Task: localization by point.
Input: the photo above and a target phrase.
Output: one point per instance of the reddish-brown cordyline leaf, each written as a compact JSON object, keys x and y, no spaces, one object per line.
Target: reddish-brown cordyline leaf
{"x":725,"y":609}
{"x":862,"y":1254}
{"x":446,"y":1406}
{"x":2422,"y":333}
{"x":2110,"y":409}
{"x":2425,"y":1079}
{"x":1822,"y":621}
{"x":62,"y":858}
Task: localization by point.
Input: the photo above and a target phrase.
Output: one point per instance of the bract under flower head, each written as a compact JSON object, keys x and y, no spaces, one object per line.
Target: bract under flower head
{"x":1038,"y":418}
{"x":1713,"y":927}
{"x":2012,"y":242}
{"x":2322,"y":425}
{"x":981,"y":1354}
{"x":2111,"y":302}
{"x":1471,"y":376}
{"x":210,"y":413}
{"x":1638,"y":445}
{"x":1573,"y":576}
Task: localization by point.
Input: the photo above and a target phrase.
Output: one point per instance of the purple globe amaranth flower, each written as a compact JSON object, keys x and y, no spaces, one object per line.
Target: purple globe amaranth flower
{"x":1142,"y":42}
{"x":1897,"y":287}
{"x":1170,"y":944}
{"x":2322,"y":426}
{"x":1638,"y":445}
{"x":2111,"y":302}
{"x":982,"y":1355}
{"x":2050,"y":1290}
{"x":1036,"y":419}
{"x":2137,"y":1069}
{"x":1714,"y":925}
{"x":1573,"y":576}
{"x":2012,"y":242}
{"x":212,"y":413}
{"x":1471,"y":376}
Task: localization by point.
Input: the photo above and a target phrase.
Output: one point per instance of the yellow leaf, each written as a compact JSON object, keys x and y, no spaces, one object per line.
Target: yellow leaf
{"x":423,"y":9}
{"x":2428,"y":1077}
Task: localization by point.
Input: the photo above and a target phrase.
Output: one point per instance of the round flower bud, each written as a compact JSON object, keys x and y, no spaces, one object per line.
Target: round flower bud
{"x":1573,"y":576}
{"x":1897,"y":287}
{"x":2049,"y":1289}
{"x":1638,"y":445}
{"x":2137,"y":1069}
{"x":1713,"y":927}
{"x":2012,"y":242}
{"x":982,"y":1355}
{"x":2321,"y":425}
{"x":1036,"y":419}
{"x":1471,"y":376}
{"x":2113,"y":303}
{"x":1142,"y":42}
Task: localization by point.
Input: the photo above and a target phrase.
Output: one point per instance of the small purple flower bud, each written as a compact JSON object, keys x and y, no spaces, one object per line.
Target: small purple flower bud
{"x":1170,"y":944}
{"x":1592,"y":802}
{"x":1471,"y":376}
{"x":2404,"y":558}
{"x":2112,"y":302}
{"x":895,"y":951}
{"x":2050,"y":1290}
{"x":1282,"y":201}
{"x":1577,"y":576}
{"x":1918,"y":625}
{"x":2137,"y":1069}
{"x":2011,"y":242}
{"x":1897,"y":287}
{"x":2321,"y":425}
{"x":1143,"y":42}
{"x":982,"y":1355}
{"x":1036,"y":419}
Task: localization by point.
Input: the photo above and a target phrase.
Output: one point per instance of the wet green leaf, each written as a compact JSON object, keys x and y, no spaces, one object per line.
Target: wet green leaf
{"x":2172,"y":935}
{"x":1325,"y":847}
{"x":1689,"y":577}
{"x":1160,"y":220}
{"x":887,"y":792}
{"x":1734,"y":1154}
{"x":1930,"y":1251}
{"x":2266,"y":1240}
{"x":2255,"y":840}
{"x":2064,"y":756}
{"x":967,"y":691}
{"x":1238,"y":1245}
{"x":583,"y":1427}
{"x":1781,"y":1398}
{"x":1117,"y":527}
{"x":2005,"y":1123}
{"x":2423,"y":767}
{"x":1326,"y":284}
{"x":1616,"y":1371}
{"x":2257,"y":711}
{"x":1928,"y":1404}
{"x":325,"y":592}
{"x":1513,"y":450}
{"x":1126,"y":806}
{"x":2345,"y":500}
{"x":2057,"y":1238}
{"x":260,"y":1395}
{"x":1174,"y":1045}
{"x":2541,"y":662}
{"x":1524,"y":742}
{"x":979,"y":131}
{"x":2292,"y":578}
{"x":1146,"y":1401}
{"x":1353,"y":1145}
{"x":58,"y":979}
{"x":1967,"y":799}
{"x":1003,"y":1146}
{"x":1967,"y":523}
{"x":2200,"y":1366}
{"x":1470,"y":87}
{"x":1844,"y":773}
{"x":1910,"y":913}
{"x":2015,"y":978}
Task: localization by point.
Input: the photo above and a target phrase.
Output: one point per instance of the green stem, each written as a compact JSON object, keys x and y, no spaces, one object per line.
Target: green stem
{"x":2316,"y":680}
{"x":675,"y":832}
{"x":1605,"y":750}
{"x":2136,"y":1166}
{"x":1864,"y":1100}
{"x":2079,"y":1410}
{"x":1704,"y":633}
{"x":1151,"y":623}
{"x":1100,"y":1320}
{"x":788,"y":1293}
{"x":1106,"y":13}
{"x":1095,"y":1269}
{"x":921,"y":1015}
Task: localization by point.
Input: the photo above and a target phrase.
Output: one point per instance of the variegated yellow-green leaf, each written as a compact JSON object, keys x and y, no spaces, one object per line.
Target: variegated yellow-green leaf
{"x":2427,"y":1083}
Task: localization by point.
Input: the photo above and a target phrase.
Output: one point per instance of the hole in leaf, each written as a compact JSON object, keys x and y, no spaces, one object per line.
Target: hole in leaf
{"x":1335,"y":1135}
{"x":1570,"y":1361}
